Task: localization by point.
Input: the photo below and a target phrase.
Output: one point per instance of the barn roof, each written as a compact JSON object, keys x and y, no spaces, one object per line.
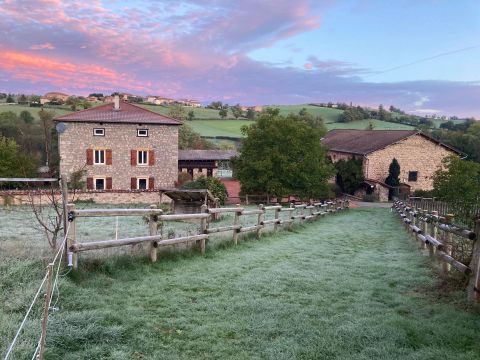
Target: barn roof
{"x":362,"y":142}
{"x":206,"y":154}
{"x":127,"y":114}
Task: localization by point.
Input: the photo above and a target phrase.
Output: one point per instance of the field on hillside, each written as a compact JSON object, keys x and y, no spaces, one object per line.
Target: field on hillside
{"x":219,"y":127}
{"x":321,"y":291}
{"x":327,"y":114}
{"x":17,"y":109}
{"x":363,"y":124}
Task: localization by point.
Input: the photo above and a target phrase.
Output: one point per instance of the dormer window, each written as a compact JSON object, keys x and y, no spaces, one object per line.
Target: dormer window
{"x":99,"y":132}
{"x":142,"y":132}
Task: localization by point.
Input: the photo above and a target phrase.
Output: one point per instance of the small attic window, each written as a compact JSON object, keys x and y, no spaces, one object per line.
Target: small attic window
{"x":142,"y":132}
{"x":99,"y":132}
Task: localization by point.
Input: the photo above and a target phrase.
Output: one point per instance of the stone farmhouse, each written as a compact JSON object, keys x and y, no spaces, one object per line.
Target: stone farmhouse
{"x":120,"y":146}
{"x":419,"y":156}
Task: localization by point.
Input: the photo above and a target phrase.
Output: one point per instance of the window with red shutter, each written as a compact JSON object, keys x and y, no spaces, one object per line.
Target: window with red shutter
{"x":90,"y":183}
{"x":133,"y":183}
{"x":108,"y":157}
{"x":151,"y":183}
{"x":151,"y":157}
{"x":89,"y":156}
{"x":109,"y":183}
{"x":133,"y":157}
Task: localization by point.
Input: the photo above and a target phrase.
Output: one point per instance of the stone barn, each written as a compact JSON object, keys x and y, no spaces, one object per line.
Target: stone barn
{"x":418,"y":154}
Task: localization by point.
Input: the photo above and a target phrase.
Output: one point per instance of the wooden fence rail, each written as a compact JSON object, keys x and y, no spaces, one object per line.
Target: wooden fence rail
{"x":435,"y":234}
{"x":303,"y":212}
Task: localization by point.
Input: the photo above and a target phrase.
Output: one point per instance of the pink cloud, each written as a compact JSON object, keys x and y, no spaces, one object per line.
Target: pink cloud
{"x":45,"y":46}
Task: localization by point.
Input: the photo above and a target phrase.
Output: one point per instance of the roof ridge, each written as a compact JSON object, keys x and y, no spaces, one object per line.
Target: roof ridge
{"x":153,"y":112}
{"x":81,"y":111}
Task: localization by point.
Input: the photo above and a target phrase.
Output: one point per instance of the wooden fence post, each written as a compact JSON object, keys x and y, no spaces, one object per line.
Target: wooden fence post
{"x":236,"y":222}
{"x":448,"y":243}
{"x":434,"y":231}
{"x":276,"y":216}
{"x":153,"y":227}
{"x":46,"y":307}
{"x":72,"y":234}
{"x":474,"y":283}
{"x":64,"y":188}
{"x":203,"y":229}
{"x":425,"y":226}
{"x":260,"y":218}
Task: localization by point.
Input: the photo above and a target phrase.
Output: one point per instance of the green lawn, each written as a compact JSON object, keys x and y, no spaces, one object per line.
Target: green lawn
{"x":323,"y":291}
{"x":219,"y":127}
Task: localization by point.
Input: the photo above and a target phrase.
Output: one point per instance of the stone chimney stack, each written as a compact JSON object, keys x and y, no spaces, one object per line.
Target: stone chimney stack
{"x":116,"y":103}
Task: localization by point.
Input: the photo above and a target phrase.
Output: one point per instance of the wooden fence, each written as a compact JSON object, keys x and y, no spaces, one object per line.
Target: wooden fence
{"x":435,"y":233}
{"x":302,"y":212}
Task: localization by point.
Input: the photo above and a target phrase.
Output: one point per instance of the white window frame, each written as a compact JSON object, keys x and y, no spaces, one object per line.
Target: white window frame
{"x":142,"y":163}
{"x":144,"y":135}
{"x":104,"y":183}
{"x":95,"y":156}
{"x":99,"y":132}
{"x":138,"y":183}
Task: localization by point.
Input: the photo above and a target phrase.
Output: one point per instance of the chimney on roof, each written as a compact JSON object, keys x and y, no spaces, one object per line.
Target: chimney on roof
{"x":116,"y":103}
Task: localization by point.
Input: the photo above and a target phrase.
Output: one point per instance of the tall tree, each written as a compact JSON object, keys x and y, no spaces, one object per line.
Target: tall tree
{"x":393,"y":178}
{"x":191,"y":115}
{"x":177,"y":112}
{"x":223,"y":113}
{"x":283,"y":156}
{"x":458,"y":183}
{"x":349,"y":174}
{"x":26,"y":117}
{"x":13,"y":162}
{"x":236,"y":111}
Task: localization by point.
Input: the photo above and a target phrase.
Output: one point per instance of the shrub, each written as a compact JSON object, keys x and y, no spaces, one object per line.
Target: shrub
{"x":214,"y":185}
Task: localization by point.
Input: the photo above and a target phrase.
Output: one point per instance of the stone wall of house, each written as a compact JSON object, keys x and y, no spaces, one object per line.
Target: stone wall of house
{"x":99,"y":197}
{"x":121,"y":139}
{"x":337,"y":156}
{"x":415,"y":153}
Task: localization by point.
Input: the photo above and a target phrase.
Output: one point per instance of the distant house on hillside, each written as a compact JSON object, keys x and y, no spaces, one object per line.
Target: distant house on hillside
{"x":120,"y":146}
{"x":206,"y":162}
{"x":419,"y":155}
{"x":56,"y":95}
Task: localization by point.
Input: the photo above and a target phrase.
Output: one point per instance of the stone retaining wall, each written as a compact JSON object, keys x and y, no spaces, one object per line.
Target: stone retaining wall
{"x":20,"y":197}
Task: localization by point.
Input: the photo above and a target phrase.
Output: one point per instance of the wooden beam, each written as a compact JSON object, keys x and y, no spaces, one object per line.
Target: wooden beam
{"x":28,"y":180}
{"x":250,"y":228}
{"x":456,"y":264}
{"x":224,"y":210}
{"x":222,"y":229}
{"x":184,"y":216}
{"x":116,"y":212}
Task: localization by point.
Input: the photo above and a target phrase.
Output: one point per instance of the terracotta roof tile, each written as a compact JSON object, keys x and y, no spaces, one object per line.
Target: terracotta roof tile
{"x":206,"y":154}
{"x":363,"y":141}
{"x":128,"y":114}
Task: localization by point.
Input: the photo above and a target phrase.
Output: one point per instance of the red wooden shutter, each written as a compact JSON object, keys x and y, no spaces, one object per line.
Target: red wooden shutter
{"x":108,"y":157}
{"x":109,"y":183}
{"x":151,"y":157}
{"x":133,"y":183}
{"x":151,"y":183}
{"x":90,"y":183}
{"x":89,"y":156}
{"x":133,"y":157}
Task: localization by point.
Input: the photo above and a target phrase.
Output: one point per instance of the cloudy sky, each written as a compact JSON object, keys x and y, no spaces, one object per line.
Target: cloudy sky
{"x":422,"y":56}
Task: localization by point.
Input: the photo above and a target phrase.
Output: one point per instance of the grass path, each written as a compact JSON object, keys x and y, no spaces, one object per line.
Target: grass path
{"x":350,"y":286}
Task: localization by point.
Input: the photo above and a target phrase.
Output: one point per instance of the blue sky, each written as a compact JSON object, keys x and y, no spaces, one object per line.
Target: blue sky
{"x":249,"y":51}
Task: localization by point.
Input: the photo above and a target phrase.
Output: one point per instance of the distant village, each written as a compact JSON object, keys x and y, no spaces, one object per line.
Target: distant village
{"x":60,"y":98}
